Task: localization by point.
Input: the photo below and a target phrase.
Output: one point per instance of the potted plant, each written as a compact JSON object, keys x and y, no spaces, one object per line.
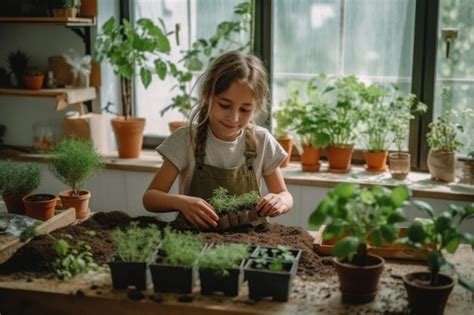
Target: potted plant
{"x":16,"y":181}
{"x":33,"y":79}
{"x":429,"y":291}
{"x":73,"y":161}
{"x":361,"y":214}
{"x":401,"y":111}
{"x":228,"y":34}
{"x":270,"y":272}
{"x":234,"y":210}
{"x":128,"y":49}
{"x":40,"y":206}
{"x":64,"y":8}
{"x":284,"y":120}
{"x":18,"y":63}
{"x":174,"y":268}
{"x":220,"y":268}
{"x":136,"y":248}
{"x":468,"y":168}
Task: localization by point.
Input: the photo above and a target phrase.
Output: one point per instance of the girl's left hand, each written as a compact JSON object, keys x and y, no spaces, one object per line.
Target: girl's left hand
{"x":271,"y":205}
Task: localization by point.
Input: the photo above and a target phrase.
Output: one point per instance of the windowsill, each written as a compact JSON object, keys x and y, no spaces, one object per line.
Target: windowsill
{"x":420,"y":183}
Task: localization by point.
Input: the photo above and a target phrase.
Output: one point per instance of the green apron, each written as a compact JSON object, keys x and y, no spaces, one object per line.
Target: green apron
{"x":237,"y":180}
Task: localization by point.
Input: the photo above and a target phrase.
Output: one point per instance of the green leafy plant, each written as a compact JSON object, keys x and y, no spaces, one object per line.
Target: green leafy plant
{"x":180,"y":249}
{"x":275,"y":260}
{"x":74,"y":257}
{"x":223,"y":257}
{"x":228,"y":36}
{"x":362,"y":214}
{"x":73,"y":161}
{"x":29,"y":232}
{"x":132,"y":49}
{"x":223,"y":202}
{"x":444,"y":132}
{"x":284,"y":114}
{"x":33,"y":71}
{"x":136,"y":244}
{"x":19,"y":178}
{"x":438,"y":234}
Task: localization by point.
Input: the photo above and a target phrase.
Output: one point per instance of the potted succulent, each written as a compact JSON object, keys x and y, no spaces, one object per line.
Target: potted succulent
{"x":234,"y":210}
{"x":128,"y":49}
{"x":228,"y":34}
{"x":73,"y":161}
{"x":18,"y":63}
{"x":270,"y":272}
{"x":64,"y":8}
{"x":174,"y":268}
{"x":136,"y":248}
{"x":220,"y":268}
{"x":33,"y":79}
{"x":16,"y":181}
{"x":429,"y":291}
{"x":363,"y":215}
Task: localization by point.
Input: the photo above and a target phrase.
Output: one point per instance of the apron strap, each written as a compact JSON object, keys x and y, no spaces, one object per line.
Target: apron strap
{"x":250,"y":147}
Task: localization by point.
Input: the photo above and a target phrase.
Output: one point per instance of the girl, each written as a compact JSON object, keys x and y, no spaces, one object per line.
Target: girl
{"x":220,"y":147}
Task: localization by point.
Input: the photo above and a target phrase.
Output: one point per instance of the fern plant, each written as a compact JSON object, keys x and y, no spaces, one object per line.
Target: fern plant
{"x":136,"y":244}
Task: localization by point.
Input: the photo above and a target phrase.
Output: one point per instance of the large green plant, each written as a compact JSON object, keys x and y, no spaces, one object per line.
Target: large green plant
{"x":223,"y":257}
{"x":180,"y":249}
{"x":362,"y":214}
{"x":133,"y":49}
{"x":73,"y":161}
{"x":19,"y":178}
{"x":228,"y":36}
{"x":439,"y":234}
{"x":136,"y":244}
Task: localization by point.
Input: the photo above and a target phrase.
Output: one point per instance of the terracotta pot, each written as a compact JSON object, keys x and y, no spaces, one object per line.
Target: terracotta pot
{"x":33,"y":82}
{"x":129,"y":136}
{"x":287,"y":145}
{"x":80,"y":203}
{"x":175,"y":125}
{"x":339,"y":159}
{"x":88,"y":8}
{"x":399,"y":165}
{"x":359,"y":284}
{"x":14,"y":203}
{"x":310,"y":159}
{"x":375,"y":161}
{"x":442,"y":165}
{"x":427,"y":299}
{"x":40,"y":206}
{"x":65,"y":13}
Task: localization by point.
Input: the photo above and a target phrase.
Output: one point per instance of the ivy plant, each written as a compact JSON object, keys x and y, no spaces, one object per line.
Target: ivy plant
{"x":439,"y":234}
{"x":363,"y":214}
{"x":19,"y":178}
{"x":136,"y":244}
{"x":73,"y":161}
{"x":180,"y":249}
{"x":223,"y":257}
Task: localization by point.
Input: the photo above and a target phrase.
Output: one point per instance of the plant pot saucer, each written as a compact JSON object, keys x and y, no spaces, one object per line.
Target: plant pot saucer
{"x":376,"y":170}
{"x":339,"y":171}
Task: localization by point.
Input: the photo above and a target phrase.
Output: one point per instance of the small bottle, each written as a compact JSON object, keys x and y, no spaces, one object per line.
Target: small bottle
{"x":51,"y":82}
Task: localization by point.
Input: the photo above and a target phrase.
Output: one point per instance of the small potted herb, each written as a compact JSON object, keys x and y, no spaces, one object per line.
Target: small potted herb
{"x":270,"y":272}
{"x":73,"y":161}
{"x":33,"y":78}
{"x":16,"y":181}
{"x":220,"y":268}
{"x":174,"y":268}
{"x":64,"y":8}
{"x":429,"y":291}
{"x":361,"y":214}
{"x":135,"y":249}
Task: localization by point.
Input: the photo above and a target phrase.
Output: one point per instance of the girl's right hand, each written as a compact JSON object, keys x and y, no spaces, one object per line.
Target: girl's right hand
{"x":199,"y":212}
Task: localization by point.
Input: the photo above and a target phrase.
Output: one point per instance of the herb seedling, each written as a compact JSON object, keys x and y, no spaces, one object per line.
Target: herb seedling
{"x":136,"y":244}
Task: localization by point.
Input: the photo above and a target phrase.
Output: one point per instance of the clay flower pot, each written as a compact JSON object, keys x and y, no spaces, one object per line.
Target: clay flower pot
{"x":14,"y":203}
{"x":375,"y":161}
{"x":80,"y":203}
{"x":175,"y":125}
{"x":40,"y":206}
{"x":129,"y":136}
{"x":310,"y":159}
{"x":287,"y":145}
{"x":339,"y":159}
{"x":33,"y":82}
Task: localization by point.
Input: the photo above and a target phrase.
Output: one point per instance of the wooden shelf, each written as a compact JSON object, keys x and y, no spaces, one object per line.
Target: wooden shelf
{"x":49,"y":20}
{"x":64,"y":97}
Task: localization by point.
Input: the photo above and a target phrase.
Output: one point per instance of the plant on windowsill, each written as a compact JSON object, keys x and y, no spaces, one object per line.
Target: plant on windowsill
{"x":136,"y":247}
{"x":132,"y":49}
{"x":64,"y":8}
{"x":363,"y":215}
{"x":429,"y":291}
{"x":33,"y":78}
{"x":283,"y":122}
{"x":220,"y":268}
{"x":16,"y":181}
{"x":228,"y":36}
{"x":73,"y":161}
{"x":174,"y":268}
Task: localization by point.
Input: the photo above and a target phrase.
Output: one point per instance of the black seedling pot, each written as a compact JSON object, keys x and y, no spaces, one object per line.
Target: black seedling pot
{"x":229,"y":284}
{"x":125,"y":274}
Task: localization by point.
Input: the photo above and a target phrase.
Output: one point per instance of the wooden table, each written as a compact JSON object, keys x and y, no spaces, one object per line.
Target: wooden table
{"x":92,"y":294}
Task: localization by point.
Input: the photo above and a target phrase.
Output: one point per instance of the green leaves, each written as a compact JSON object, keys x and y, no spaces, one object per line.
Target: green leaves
{"x":416,"y":232}
{"x":345,"y":190}
{"x":136,"y":244}
{"x":18,"y":178}
{"x":347,"y":247}
{"x":145,"y":75}
{"x":400,"y":195}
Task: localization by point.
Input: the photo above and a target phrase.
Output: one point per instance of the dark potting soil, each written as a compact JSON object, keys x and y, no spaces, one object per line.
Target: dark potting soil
{"x":36,"y":258}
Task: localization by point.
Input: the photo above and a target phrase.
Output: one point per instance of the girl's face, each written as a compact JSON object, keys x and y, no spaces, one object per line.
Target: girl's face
{"x":232,"y":111}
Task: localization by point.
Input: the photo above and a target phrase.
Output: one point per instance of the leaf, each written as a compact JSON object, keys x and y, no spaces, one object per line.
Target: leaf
{"x":399,"y":195}
{"x":396,"y":216}
{"x":453,"y":244}
{"x":61,"y":247}
{"x":345,"y":190}
{"x":319,"y":215}
{"x":416,"y":232}
{"x":160,"y":67}
{"x":466,"y":283}
{"x":443,"y":222}
{"x":145,"y":75}
{"x":389,"y":232}
{"x":194,"y":64}
{"x":423,"y":206}
{"x":376,"y":237}
{"x":335,"y":229}
{"x":346,"y":247}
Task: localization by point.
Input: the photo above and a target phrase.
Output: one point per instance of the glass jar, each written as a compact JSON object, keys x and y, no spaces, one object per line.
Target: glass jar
{"x":399,"y":165}
{"x":45,"y":135}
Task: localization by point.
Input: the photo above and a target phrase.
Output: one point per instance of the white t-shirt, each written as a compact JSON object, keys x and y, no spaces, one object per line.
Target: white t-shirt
{"x":178,"y":149}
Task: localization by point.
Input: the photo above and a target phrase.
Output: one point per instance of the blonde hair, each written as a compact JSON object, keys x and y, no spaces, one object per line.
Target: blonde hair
{"x":230,"y":67}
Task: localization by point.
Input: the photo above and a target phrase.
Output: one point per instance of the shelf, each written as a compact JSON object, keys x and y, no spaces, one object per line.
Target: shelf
{"x":64,"y":97}
{"x":49,"y":20}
